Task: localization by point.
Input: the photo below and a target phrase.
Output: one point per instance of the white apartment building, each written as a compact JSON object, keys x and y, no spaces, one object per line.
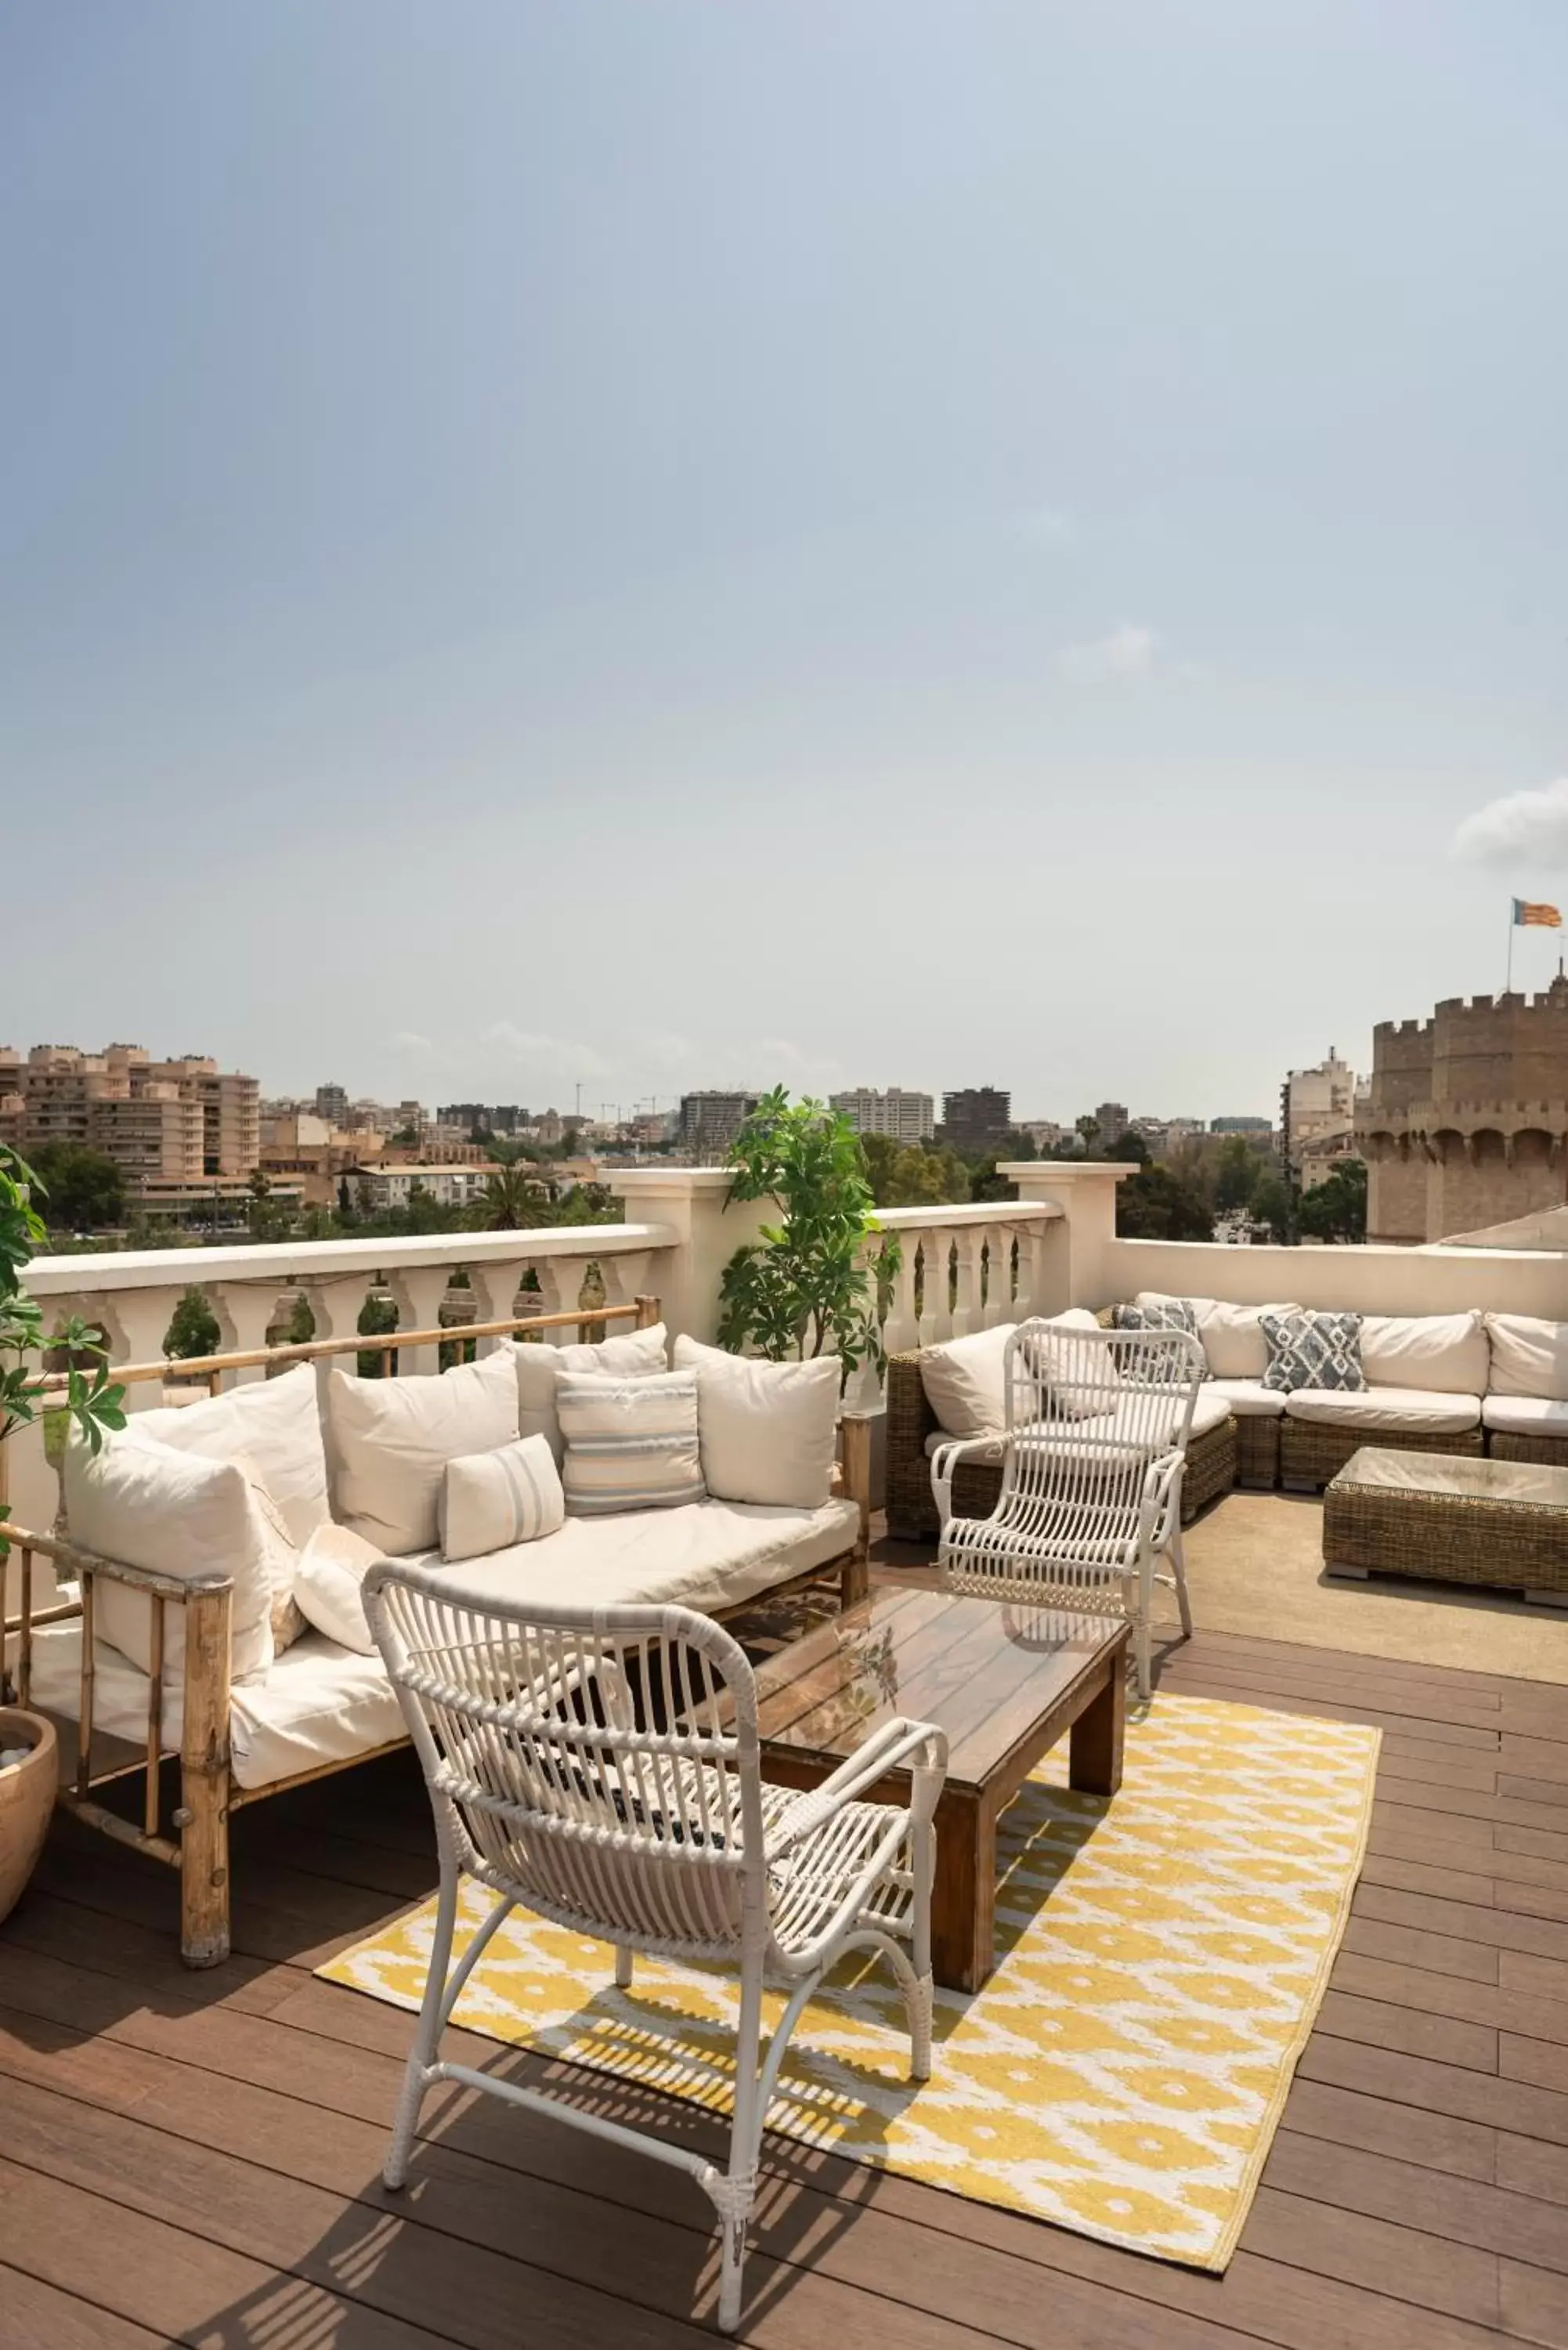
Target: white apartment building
{"x":1314,"y":1104}
{"x":907,"y":1116}
{"x":449,"y":1187}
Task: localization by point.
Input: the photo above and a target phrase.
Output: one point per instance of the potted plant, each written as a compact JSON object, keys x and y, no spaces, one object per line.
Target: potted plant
{"x":808,"y":1286}
{"x":93,"y":1402}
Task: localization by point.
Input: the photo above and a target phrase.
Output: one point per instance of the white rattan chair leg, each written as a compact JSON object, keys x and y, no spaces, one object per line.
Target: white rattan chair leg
{"x":1178,"y":1561}
{"x":745,"y":2146}
{"x":924,"y":1859}
{"x":622,"y":1967}
{"x":422,"y":2055}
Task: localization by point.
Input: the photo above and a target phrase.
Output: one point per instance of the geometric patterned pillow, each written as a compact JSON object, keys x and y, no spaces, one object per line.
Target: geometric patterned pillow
{"x":1170,"y":1314}
{"x":1312,"y":1350}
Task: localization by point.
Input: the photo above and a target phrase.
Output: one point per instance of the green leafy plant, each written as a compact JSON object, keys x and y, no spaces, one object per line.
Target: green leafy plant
{"x":90,"y":1398}
{"x":806,"y":1286}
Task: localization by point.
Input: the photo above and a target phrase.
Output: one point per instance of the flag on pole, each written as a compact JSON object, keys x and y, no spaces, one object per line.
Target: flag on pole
{"x":1529,"y":916}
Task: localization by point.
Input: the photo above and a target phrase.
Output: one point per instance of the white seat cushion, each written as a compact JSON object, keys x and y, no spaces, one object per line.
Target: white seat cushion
{"x":768,"y":1432}
{"x":705,"y":1555}
{"x":1248,"y":1399}
{"x":1210,"y":1411}
{"x":390,"y":1440}
{"x":975,"y":1448}
{"x":277,"y":1423}
{"x":1519,"y":1415}
{"x":1417,"y":1410}
{"x":1528,"y":1357}
{"x":639,"y":1356}
{"x":320,"y":1703}
{"x":1446,"y":1354}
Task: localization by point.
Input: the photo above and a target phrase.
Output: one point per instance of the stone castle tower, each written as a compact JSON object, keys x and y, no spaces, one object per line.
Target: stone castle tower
{"x":1467,"y":1120}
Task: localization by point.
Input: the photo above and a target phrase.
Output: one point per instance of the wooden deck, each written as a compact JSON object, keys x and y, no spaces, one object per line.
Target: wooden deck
{"x":196,"y":2158}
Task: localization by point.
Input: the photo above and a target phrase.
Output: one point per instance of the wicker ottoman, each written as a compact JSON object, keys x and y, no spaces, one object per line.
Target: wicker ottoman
{"x":1548,"y":1451}
{"x":1311,"y":1453}
{"x":1501,"y":1523}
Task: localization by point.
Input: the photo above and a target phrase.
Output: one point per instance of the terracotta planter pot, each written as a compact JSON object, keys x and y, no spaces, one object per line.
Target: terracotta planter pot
{"x":27,"y":1800}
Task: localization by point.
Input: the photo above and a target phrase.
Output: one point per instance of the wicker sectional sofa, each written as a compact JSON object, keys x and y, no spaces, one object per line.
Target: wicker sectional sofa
{"x":1464,"y":1384}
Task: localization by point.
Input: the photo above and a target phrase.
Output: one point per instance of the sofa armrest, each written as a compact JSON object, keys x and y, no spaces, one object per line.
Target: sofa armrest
{"x":855,"y":1433}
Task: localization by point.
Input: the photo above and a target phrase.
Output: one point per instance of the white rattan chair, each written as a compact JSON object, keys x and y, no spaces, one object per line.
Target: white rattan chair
{"x":1092,"y":1463}
{"x":600,"y":1767}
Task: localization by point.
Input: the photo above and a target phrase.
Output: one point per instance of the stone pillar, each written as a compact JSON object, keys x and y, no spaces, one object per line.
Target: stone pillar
{"x":1069,"y":1270}
{"x":244,"y":1312}
{"x":135,"y":1321}
{"x":691,"y":1202}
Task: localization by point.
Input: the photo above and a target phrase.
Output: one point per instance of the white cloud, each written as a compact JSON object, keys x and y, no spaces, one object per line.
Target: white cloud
{"x":1520,"y":829}
{"x":1048,"y":525}
{"x":555,"y":1057}
{"x":1127,"y":650}
{"x":409,"y":1040}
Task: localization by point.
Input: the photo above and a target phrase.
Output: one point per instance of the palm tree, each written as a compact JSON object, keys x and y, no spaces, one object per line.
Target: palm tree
{"x":513,"y":1200}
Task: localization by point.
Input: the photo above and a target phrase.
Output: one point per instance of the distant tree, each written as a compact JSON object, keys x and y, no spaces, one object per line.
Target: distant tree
{"x":912,"y":1174}
{"x":1335,"y":1209}
{"x":407,"y":1137}
{"x":1022,"y":1146}
{"x":193,"y":1329}
{"x":267,"y":1218}
{"x":1238,"y":1171}
{"x":1155,"y":1204}
{"x":1272,"y":1208}
{"x":1087,"y":1130}
{"x":1130,"y":1145}
{"x":375,"y":1314}
{"x":84,"y":1190}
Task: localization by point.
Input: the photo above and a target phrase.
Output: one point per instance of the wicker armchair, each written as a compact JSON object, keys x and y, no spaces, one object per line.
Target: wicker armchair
{"x":600,"y":1767}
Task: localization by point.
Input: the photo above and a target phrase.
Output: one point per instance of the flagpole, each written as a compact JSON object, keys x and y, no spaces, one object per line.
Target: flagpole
{"x":1508,"y":989}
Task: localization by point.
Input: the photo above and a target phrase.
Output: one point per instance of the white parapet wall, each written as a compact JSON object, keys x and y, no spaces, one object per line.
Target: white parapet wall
{"x":1098,"y":1269}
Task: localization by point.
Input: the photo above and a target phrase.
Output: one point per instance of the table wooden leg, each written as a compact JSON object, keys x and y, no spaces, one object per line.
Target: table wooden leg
{"x":1095,"y":1752}
{"x":963,"y":1899}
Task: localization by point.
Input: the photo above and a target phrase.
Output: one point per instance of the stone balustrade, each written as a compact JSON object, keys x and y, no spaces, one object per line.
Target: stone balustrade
{"x":964,"y":1269}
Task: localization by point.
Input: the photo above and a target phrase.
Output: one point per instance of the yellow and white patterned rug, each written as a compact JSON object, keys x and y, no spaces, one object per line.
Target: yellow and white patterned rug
{"x":1160,"y":1959}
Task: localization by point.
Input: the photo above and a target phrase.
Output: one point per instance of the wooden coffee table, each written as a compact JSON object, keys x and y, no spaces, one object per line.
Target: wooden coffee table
{"x":1004,"y":1682}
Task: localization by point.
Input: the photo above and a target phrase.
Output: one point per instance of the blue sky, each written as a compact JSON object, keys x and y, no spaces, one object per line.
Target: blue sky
{"x":658,"y":543}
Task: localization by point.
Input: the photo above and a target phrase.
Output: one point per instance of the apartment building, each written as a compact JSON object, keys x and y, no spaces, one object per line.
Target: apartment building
{"x":907,"y":1116}
{"x":711,"y":1120}
{"x":169,"y":1125}
{"x":974,"y":1116}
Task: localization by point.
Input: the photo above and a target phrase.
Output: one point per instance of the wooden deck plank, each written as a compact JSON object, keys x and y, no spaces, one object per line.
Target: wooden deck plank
{"x":34,"y":2315}
{"x":1413,"y":2200}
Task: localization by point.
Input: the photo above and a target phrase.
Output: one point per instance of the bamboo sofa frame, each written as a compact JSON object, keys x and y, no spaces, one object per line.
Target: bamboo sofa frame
{"x":209,"y":1794}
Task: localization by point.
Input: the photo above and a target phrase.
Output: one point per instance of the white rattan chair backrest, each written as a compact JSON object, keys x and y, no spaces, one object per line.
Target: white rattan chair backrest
{"x":1089,"y":1411}
{"x":602,"y":1762}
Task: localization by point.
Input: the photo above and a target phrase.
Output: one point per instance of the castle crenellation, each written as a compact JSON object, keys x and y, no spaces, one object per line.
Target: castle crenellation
{"x":1435,"y":1164}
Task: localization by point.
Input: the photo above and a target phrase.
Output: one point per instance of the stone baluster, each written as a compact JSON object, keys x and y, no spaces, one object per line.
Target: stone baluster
{"x":244,"y":1310}
{"x":495,"y":1285}
{"x":999,"y":1275}
{"x":936,"y":1246}
{"x":966,"y":1307}
{"x":135,"y":1321}
{"x":561,"y":1279}
{"x":335,"y":1306}
{"x":625,"y":1279}
{"x":419,"y":1290}
{"x":902,"y":1329}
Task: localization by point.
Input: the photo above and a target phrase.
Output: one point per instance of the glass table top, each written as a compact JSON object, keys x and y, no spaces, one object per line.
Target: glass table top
{"x":1385,"y":1470}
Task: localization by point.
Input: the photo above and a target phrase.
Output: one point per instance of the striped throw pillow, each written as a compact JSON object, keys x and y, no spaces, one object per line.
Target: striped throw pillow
{"x":491,"y":1500}
{"x":631,"y":1443}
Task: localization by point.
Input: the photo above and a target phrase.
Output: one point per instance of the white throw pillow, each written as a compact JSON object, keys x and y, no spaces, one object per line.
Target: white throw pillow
{"x":329,"y":1584}
{"x":1444,"y":1354}
{"x":281,"y":1553}
{"x":1232,"y":1337}
{"x":639,"y":1357}
{"x":392,"y":1440}
{"x":276,"y":1422}
{"x":1528,"y":1357}
{"x":140,"y":1501}
{"x":768,"y":1432}
{"x":491,"y":1500}
{"x":1081,"y":1380}
{"x":965,"y":1381}
{"x":631,"y":1443}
